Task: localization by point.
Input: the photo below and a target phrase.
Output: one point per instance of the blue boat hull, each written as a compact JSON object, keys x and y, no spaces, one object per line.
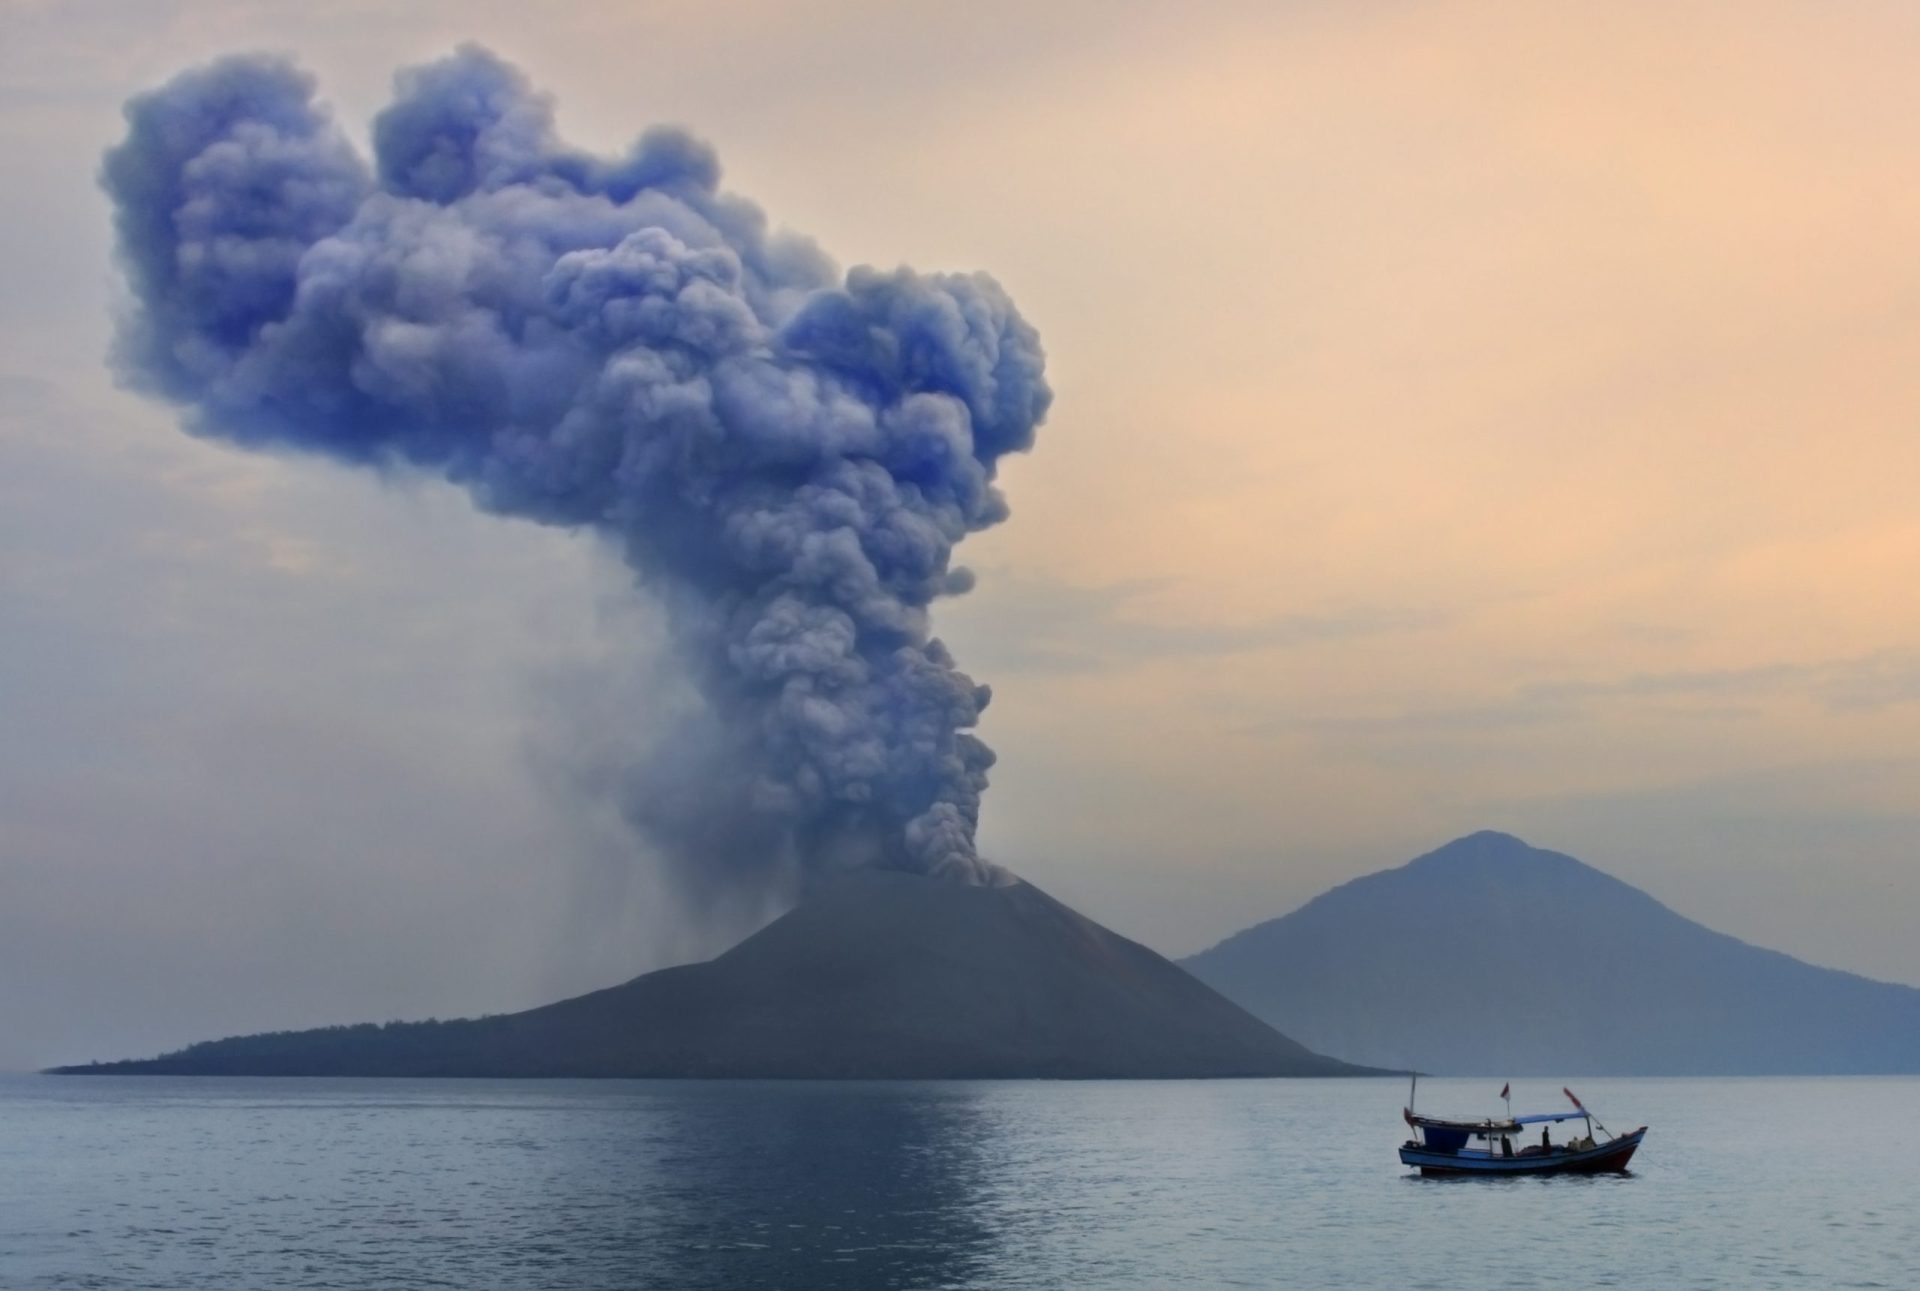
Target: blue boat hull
{"x":1610,"y":1157}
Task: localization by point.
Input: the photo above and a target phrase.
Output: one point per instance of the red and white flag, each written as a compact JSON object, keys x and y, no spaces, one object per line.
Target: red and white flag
{"x":1504,"y":1089}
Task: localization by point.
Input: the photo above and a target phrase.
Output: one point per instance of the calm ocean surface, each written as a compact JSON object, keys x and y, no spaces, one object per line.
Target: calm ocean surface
{"x":197,"y":1183}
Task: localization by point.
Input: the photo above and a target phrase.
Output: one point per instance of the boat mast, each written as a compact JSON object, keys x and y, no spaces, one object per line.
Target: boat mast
{"x":1584,"y":1114}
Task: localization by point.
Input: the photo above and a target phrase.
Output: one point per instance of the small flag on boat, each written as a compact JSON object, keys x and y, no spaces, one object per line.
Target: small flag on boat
{"x":1506,"y":1089}
{"x":1570,"y":1098}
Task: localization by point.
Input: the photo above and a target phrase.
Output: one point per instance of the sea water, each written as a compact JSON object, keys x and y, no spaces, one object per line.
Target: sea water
{"x":258,"y":1183}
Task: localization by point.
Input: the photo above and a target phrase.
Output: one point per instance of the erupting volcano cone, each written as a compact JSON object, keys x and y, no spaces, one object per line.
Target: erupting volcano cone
{"x":874,"y":975}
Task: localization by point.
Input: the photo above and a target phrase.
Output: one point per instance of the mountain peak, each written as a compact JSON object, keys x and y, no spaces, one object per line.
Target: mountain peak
{"x":1487,"y":954}
{"x":1491,"y":856}
{"x":1495,"y":838}
{"x":1484,"y":843}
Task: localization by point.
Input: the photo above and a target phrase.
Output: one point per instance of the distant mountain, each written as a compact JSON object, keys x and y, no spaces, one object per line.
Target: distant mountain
{"x":876,"y":975}
{"x":1492,"y":957}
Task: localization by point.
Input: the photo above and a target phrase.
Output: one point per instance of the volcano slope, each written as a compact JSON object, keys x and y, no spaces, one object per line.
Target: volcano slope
{"x":1488,"y":956}
{"x":872,"y":976}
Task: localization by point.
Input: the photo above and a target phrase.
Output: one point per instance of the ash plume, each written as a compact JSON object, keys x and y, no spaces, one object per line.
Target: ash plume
{"x":785,"y":456}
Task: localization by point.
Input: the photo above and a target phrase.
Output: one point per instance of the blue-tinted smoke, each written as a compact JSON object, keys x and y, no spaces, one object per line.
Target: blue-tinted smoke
{"x":785,"y":455}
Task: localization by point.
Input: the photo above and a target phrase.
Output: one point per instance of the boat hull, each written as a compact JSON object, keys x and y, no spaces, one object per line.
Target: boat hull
{"x":1610,"y":1157}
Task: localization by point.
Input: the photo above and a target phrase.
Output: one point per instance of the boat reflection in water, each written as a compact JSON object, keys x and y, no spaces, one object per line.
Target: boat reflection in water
{"x":1496,"y":1147}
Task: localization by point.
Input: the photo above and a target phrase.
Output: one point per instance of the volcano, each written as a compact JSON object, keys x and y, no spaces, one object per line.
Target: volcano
{"x":875,"y":975}
{"x":1488,"y":955}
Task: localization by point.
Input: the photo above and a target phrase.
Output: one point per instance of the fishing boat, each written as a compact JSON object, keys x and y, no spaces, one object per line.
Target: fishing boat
{"x":1449,"y":1147}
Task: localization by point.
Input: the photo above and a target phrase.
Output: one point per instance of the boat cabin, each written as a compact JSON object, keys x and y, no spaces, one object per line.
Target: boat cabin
{"x":1511,"y":1138}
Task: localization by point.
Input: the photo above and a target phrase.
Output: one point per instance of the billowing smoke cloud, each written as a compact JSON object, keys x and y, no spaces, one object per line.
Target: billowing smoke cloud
{"x":784,"y":456}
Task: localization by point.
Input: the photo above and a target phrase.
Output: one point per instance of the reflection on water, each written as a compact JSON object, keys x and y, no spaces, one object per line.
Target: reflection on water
{"x":181,"y":1184}
{"x":164,"y":1182}
{"x":793,"y":1185}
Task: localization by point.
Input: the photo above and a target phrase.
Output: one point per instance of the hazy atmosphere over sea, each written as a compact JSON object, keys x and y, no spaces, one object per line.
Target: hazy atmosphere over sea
{"x":1469,"y":416}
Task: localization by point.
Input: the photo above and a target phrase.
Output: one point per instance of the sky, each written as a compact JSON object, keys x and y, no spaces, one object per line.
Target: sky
{"x":1466,"y":416}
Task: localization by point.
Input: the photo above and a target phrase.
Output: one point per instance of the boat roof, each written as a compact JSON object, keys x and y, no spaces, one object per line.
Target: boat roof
{"x":1481,"y":1127}
{"x":1444,"y":1123}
